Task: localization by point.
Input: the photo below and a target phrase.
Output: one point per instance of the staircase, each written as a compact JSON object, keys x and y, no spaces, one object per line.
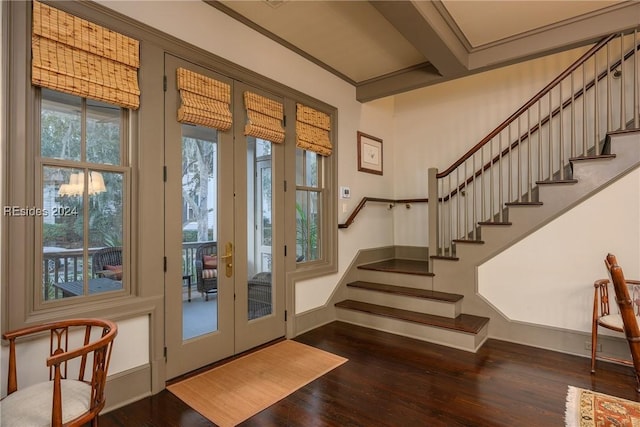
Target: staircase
{"x":390,"y":296}
{"x":499,"y":192}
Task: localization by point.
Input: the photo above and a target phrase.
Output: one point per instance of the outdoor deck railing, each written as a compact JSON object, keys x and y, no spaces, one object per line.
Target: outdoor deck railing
{"x":61,"y":266}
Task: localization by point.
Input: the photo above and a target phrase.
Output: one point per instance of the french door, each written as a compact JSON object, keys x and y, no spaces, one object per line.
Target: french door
{"x":224,"y":290}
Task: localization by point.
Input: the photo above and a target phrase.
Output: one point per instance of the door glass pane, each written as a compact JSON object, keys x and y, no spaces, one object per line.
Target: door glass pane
{"x":260,"y":220}
{"x":199,"y":231}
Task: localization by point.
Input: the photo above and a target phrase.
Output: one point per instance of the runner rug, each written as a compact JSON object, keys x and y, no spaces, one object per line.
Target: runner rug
{"x":235,"y":391}
{"x":586,"y":408}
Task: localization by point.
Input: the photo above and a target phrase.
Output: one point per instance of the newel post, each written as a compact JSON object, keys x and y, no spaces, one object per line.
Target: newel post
{"x":433,"y":211}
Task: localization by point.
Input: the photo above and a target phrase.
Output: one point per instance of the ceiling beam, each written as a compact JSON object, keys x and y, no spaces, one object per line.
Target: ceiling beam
{"x":417,"y":25}
{"x":398,"y":82}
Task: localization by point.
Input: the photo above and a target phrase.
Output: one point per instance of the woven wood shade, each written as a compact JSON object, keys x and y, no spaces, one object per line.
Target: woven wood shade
{"x":312,"y":130}
{"x":79,"y":57}
{"x":205,"y":101}
{"x":264,"y":118}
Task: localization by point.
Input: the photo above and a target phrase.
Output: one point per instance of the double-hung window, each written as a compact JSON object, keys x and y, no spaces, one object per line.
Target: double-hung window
{"x":313,"y":148}
{"x":83,"y":169}
{"x":86,"y":77}
{"x":309,"y":196}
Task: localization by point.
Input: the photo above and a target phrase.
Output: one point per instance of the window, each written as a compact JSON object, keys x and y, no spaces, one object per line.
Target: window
{"x":309,"y":196}
{"x":83,"y":175}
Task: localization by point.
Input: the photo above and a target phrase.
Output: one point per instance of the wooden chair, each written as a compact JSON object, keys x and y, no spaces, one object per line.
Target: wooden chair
{"x":602,"y":316}
{"x":63,"y":400}
{"x":629,"y":319}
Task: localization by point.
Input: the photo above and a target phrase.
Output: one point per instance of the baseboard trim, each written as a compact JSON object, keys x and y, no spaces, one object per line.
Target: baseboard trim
{"x":127,"y":387}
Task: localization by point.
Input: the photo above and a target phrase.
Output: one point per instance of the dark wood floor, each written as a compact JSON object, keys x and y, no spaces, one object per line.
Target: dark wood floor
{"x":396,"y":381}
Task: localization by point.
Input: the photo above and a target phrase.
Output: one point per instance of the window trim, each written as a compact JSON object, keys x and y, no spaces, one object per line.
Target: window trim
{"x":123,"y":168}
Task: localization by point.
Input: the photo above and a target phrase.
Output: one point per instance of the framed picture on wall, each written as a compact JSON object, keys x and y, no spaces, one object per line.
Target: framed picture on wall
{"x":369,"y":154}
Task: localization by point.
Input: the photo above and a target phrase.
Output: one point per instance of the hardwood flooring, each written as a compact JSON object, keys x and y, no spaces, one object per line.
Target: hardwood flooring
{"x":391,"y":380}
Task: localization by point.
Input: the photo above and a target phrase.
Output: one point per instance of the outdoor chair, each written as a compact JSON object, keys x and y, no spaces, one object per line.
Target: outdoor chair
{"x":629,"y":317}
{"x":207,"y":269}
{"x":259,"y":292}
{"x":107,"y":262}
{"x":74,"y":393}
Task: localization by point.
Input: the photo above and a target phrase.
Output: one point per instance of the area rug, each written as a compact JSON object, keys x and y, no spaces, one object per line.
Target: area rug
{"x":235,"y":391}
{"x":586,"y":408}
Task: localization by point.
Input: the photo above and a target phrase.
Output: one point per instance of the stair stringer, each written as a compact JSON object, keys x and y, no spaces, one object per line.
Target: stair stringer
{"x":461,"y":276}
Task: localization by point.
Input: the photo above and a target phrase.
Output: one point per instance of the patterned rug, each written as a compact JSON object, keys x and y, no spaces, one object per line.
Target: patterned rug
{"x":586,"y":408}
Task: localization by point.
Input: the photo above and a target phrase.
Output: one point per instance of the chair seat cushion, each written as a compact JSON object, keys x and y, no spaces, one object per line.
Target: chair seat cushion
{"x":116,"y":269}
{"x":210,"y":261}
{"x":209,"y":273}
{"x":613,"y":321}
{"x":31,"y":406}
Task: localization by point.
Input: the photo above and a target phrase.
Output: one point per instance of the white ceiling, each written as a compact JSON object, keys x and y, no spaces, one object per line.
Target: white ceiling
{"x":485,"y":22}
{"x":387,"y":47}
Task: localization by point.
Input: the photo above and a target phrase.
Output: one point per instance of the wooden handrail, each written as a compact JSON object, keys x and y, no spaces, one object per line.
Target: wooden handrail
{"x":364,"y":201}
{"x":527,"y":105}
{"x":535,"y":128}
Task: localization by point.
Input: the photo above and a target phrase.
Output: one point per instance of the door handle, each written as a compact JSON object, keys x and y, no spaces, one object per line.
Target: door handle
{"x":228,"y":259}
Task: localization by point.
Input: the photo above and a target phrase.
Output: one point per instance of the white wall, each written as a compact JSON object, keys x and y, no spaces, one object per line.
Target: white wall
{"x":436,"y":125}
{"x":554,"y":287}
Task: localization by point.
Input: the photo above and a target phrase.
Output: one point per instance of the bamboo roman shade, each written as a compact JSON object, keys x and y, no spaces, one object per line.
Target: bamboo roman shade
{"x":264,"y":118}
{"x":205,"y":101}
{"x":312,"y":130}
{"x":79,"y":57}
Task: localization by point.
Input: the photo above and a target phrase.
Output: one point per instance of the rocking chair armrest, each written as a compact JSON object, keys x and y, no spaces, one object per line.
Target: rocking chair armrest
{"x":600,"y":304}
{"x":600,"y":283}
{"x":11,"y":336}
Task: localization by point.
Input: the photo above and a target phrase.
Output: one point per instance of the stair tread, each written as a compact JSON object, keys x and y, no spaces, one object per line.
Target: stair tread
{"x":523,"y":204}
{"x":466,"y":323}
{"x":477,"y":242}
{"x":445,"y":257}
{"x":557,"y":181}
{"x":407,"y":291}
{"x":399,"y":265}
{"x":592,"y":157}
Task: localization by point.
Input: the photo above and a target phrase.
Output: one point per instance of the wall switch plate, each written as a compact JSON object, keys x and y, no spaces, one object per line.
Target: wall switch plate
{"x":345,"y":192}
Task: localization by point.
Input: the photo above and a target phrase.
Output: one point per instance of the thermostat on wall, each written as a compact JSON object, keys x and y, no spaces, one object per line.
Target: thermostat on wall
{"x":345,"y":192}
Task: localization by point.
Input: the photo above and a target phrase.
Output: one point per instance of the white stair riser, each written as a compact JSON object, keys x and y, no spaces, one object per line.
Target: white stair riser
{"x":398,"y":279}
{"x":448,"y":337}
{"x":421,"y":305}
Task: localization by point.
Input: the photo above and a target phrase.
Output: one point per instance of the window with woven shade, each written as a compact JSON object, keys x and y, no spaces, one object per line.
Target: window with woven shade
{"x":264,"y":118}
{"x":78,"y":57}
{"x":312,"y":130}
{"x":313,"y":146}
{"x":204,"y":101}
